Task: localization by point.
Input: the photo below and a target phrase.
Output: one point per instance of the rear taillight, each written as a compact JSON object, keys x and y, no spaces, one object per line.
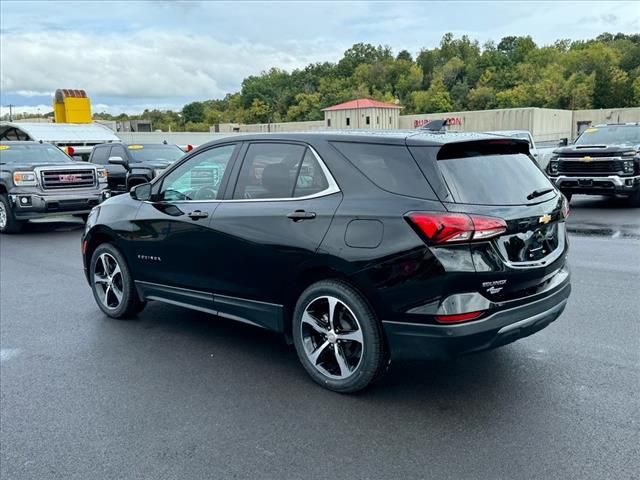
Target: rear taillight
{"x":446,"y":227}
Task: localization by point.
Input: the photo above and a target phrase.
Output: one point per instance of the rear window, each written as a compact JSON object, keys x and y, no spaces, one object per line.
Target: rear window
{"x":494,"y":179}
{"x":390,"y":167}
{"x":155,"y":153}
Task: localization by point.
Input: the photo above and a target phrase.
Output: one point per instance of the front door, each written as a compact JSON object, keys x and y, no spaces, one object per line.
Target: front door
{"x":175,"y":246}
{"x":117,"y":174}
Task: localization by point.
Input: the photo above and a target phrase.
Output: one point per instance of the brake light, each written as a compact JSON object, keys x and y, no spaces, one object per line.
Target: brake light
{"x":458,"y":317}
{"x":69,"y":150}
{"x":446,"y":227}
{"x":189,"y":147}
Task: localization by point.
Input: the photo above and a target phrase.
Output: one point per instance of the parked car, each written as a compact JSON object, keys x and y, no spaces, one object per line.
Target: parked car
{"x":604,"y":160}
{"x":522,"y":134}
{"x":358,"y":247}
{"x":132,"y":164}
{"x":38,"y":180}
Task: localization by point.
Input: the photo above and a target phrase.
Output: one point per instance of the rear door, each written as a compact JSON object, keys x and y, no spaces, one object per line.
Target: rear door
{"x":273,"y":221}
{"x":499,"y":179}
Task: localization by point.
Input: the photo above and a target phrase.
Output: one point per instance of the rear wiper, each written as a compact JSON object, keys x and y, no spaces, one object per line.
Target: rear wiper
{"x":539,"y":193}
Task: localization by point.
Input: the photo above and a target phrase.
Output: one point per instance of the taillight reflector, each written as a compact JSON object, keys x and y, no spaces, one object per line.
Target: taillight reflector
{"x":458,"y":317}
{"x":447,"y":227}
{"x":69,"y":150}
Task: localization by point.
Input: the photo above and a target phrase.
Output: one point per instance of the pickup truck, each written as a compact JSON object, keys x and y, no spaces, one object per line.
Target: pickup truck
{"x":38,"y":179}
{"x":604,"y":160}
{"x":129,"y":165}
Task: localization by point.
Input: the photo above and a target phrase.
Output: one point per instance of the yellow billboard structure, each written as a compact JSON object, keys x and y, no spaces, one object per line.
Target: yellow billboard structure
{"x":71,"y":106}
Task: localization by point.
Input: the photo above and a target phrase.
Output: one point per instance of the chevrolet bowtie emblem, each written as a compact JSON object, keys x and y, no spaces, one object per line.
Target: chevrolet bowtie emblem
{"x":544,"y":218}
{"x":587,"y":159}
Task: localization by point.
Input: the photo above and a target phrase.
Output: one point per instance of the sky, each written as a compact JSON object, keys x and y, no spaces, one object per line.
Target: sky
{"x":133,"y":55}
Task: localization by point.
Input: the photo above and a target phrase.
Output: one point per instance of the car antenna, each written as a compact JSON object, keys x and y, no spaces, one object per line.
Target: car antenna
{"x":164,"y":142}
{"x":436,"y":126}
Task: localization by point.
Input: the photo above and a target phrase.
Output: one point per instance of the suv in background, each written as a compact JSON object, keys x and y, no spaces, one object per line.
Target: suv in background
{"x":38,"y":180}
{"x":358,"y":247}
{"x":604,"y":160}
{"x":132,"y":164}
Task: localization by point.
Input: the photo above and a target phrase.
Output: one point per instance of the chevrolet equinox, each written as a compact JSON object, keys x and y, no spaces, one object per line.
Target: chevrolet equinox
{"x":359,"y":247}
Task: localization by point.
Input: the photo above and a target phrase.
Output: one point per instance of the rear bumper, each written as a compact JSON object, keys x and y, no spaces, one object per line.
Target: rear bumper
{"x":38,"y":204}
{"x":612,"y":184}
{"x":413,"y":340}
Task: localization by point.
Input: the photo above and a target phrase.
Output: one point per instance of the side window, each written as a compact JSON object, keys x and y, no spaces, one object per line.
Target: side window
{"x":118,"y":151}
{"x":100,"y":155}
{"x":199,"y":178}
{"x":311,"y":179}
{"x":269,"y":170}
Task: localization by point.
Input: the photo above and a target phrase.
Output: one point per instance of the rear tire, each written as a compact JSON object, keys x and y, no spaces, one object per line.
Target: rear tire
{"x":112,"y":283}
{"x":8,"y":221}
{"x":338,"y":338}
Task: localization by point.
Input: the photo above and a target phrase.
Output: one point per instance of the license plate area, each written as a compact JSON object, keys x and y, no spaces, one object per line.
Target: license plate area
{"x":585,"y":182}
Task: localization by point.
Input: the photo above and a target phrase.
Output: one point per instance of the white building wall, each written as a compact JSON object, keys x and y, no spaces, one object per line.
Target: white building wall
{"x":389,"y":118}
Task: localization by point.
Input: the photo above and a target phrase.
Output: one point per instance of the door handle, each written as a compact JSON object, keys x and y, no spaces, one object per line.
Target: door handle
{"x":197,"y":214}
{"x":301,"y":215}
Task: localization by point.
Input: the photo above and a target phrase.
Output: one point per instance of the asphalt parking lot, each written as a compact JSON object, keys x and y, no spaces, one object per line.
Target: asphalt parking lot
{"x":181,"y":394}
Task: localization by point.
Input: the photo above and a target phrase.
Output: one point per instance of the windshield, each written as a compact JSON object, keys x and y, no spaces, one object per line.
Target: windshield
{"x":155,"y":153}
{"x":610,"y":135}
{"x":36,"y":153}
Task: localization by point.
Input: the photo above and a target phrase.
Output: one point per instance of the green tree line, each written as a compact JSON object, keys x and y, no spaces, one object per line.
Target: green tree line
{"x":457,"y":75}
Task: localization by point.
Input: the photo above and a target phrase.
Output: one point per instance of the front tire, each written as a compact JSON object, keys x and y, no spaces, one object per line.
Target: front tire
{"x":8,"y":222}
{"x":112,"y":284}
{"x":337,"y":337}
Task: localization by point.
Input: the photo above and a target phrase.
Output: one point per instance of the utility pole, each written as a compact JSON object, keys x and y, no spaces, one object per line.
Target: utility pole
{"x":10,"y":113}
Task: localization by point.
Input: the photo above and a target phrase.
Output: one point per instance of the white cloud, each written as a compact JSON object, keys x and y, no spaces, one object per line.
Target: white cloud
{"x":146,"y":64}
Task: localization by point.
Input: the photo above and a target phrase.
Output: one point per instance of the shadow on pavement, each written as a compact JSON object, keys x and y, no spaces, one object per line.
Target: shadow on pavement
{"x":62,"y":224}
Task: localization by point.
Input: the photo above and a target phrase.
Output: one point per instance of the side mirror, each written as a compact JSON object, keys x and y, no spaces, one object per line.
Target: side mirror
{"x":141,"y":192}
{"x":563,"y":142}
{"x":119,"y":161}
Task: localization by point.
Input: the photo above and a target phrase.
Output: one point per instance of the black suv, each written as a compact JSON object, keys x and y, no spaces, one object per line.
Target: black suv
{"x":358,"y":247}
{"x":132,"y":164}
{"x":605,"y":160}
{"x":38,"y":180}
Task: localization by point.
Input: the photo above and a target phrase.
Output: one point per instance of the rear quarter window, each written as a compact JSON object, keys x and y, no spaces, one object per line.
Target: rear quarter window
{"x":390,"y":167}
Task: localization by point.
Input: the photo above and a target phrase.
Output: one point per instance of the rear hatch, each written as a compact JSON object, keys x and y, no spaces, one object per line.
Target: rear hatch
{"x":498,"y":178}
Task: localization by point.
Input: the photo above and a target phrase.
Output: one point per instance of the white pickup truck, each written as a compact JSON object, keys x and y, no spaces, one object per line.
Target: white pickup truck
{"x":541,"y":155}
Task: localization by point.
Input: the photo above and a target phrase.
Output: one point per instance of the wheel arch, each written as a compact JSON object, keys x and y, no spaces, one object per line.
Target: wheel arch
{"x":94,"y":238}
{"x":317,"y":273}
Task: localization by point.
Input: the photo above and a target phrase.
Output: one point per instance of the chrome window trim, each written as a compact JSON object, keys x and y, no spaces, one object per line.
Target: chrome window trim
{"x":330,"y":190}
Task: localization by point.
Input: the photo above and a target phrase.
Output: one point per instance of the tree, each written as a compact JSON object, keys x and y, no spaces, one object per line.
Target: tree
{"x":193,"y":112}
{"x":435,"y":99}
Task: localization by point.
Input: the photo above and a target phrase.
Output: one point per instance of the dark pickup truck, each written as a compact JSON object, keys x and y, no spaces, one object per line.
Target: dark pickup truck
{"x":604,"y":160}
{"x":132,"y":164}
{"x":39,"y":180}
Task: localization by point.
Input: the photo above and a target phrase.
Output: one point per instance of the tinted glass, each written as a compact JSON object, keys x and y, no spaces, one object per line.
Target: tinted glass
{"x":611,"y":135}
{"x":311,"y":178}
{"x":494,"y":179}
{"x":390,"y":167}
{"x":155,"y":153}
{"x":119,"y":151}
{"x":36,"y":153}
{"x":100,"y":155}
{"x":199,"y":178}
{"x":269,"y":170}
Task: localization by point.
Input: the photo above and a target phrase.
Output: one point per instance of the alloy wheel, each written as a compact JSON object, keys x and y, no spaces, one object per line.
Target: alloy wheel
{"x":332,"y":337}
{"x":108,"y":281}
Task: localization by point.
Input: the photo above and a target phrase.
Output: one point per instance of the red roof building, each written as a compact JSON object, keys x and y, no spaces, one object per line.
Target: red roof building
{"x":363,"y":113}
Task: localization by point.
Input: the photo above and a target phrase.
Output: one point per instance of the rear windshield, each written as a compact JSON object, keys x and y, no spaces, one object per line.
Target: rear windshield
{"x":154,"y":153}
{"x":611,"y":135}
{"x":390,"y":167}
{"x":494,"y":179}
{"x":36,"y":153}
